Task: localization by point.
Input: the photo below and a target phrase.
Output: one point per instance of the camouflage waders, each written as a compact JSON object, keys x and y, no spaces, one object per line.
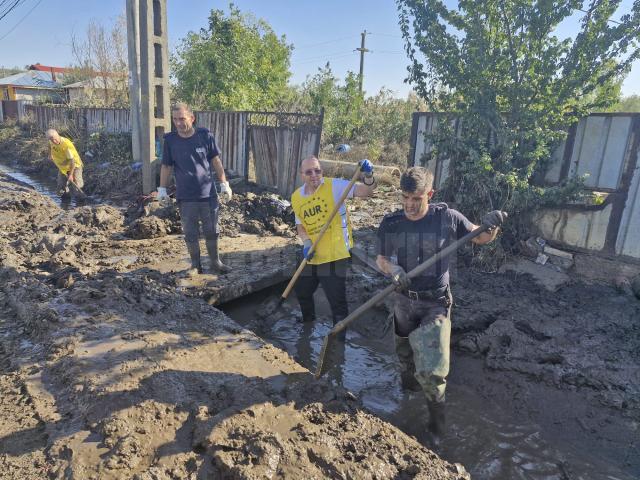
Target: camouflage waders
{"x":423,"y":331}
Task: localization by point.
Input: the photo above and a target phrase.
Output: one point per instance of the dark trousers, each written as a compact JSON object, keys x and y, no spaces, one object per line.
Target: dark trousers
{"x":332,"y":277}
{"x":193,"y":213}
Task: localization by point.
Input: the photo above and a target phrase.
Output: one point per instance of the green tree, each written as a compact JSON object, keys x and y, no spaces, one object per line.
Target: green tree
{"x":342,"y":102}
{"x":7,"y":71}
{"x":627,"y":104}
{"x":236,"y":63}
{"x":500,"y":67}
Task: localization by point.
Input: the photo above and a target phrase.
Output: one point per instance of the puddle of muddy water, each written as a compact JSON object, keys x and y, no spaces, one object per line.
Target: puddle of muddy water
{"x":490,"y":443}
{"x":46,"y":187}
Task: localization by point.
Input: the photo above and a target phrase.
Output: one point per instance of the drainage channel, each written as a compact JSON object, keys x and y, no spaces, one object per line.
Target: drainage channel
{"x":488,"y":441}
{"x":46,"y":187}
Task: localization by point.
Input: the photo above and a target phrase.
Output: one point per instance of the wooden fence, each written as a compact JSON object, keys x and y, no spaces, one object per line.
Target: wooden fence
{"x":274,"y":142}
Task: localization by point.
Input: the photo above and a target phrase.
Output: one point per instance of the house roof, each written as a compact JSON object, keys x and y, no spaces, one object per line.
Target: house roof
{"x":96,"y":82}
{"x":31,"y":79}
{"x":46,"y":68}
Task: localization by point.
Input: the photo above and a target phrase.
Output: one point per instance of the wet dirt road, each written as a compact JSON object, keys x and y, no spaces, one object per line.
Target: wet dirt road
{"x":485,"y":436}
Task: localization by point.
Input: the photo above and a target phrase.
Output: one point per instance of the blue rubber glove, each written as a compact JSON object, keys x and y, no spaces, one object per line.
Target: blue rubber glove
{"x":306,"y":246}
{"x":343,"y":148}
{"x":366,"y":167}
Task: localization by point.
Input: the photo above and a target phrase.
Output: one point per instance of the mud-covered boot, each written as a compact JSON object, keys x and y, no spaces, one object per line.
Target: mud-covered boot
{"x":216,"y":265}
{"x":437,"y":421}
{"x":308,"y":311}
{"x":407,"y":367}
{"x":194,"y":253}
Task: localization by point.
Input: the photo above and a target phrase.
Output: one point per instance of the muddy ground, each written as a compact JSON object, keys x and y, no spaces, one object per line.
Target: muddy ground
{"x":116,"y":366}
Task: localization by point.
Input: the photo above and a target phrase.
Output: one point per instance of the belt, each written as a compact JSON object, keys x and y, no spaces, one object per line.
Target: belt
{"x":425,"y":294}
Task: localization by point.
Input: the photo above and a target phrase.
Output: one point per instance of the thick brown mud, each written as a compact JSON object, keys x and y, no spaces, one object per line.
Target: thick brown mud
{"x":114,"y":365}
{"x":513,"y":413}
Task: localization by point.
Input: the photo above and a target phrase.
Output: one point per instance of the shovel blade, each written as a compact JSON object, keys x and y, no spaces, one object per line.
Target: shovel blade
{"x":269,"y":308}
{"x":323,"y":362}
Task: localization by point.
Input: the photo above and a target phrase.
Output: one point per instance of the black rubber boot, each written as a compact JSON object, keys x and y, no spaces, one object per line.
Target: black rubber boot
{"x":194,"y":253}
{"x":308,"y":310}
{"x":407,"y":367}
{"x":437,"y":421}
{"x":216,"y":265}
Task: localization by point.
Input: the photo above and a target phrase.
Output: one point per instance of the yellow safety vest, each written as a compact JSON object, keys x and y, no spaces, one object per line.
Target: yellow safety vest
{"x":313,"y":212}
{"x":60,"y":156}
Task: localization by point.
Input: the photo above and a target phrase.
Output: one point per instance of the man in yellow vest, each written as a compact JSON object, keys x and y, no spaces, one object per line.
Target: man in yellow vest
{"x":63,"y":153}
{"x":312,"y":204}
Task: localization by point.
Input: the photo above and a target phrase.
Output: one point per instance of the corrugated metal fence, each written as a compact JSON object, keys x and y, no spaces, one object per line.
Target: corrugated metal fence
{"x":604,"y":148}
{"x":269,"y":143}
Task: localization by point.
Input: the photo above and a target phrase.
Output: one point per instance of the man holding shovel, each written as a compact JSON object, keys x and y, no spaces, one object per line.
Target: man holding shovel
{"x":327,"y":265}
{"x":64,"y":155}
{"x":422,"y":305}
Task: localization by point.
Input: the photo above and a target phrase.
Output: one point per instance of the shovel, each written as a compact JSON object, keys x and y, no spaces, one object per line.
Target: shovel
{"x":81,"y":195}
{"x":323,"y":366}
{"x":271,"y":307}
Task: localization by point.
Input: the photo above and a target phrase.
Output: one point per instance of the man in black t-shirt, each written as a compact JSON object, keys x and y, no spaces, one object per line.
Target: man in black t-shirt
{"x":422,"y":305}
{"x":192,"y":154}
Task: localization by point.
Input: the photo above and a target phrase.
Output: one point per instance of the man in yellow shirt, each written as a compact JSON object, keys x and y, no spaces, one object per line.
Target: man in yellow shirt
{"x":63,"y":153}
{"x":312,"y":204}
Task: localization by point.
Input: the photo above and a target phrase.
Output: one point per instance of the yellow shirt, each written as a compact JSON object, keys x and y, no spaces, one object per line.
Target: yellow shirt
{"x":312,"y":213}
{"x":63,"y":153}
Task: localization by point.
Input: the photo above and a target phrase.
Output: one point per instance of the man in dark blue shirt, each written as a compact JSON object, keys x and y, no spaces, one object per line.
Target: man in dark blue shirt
{"x":422,"y":305}
{"x":191,"y":153}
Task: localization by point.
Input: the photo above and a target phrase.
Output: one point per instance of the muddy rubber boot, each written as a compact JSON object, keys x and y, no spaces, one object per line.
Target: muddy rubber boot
{"x":194,"y":253}
{"x":308,"y":312}
{"x":437,"y":422}
{"x":407,"y":367}
{"x":216,"y":266}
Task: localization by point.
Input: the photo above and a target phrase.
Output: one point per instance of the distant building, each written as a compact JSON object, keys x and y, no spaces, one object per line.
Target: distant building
{"x":97,"y":91}
{"x":39,"y":83}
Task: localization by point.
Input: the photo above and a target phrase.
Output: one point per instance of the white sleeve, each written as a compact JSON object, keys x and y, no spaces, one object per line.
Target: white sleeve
{"x":339,"y":184}
{"x":69,"y":154}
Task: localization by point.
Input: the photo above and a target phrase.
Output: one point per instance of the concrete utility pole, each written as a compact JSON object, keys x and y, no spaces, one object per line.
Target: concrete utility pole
{"x":362,"y":51}
{"x":149,"y":82}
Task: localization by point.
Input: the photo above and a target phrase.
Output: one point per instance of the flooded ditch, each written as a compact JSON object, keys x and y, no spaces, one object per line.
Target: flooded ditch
{"x":486,"y":437}
{"x":46,"y":186}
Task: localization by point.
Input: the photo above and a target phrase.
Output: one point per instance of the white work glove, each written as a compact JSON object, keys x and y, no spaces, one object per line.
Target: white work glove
{"x":225,"y":191}
{"x":162,"y":195}
{"x":399,"y":277}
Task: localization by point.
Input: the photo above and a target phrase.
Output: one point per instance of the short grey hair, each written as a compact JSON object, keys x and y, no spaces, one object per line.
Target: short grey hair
{"x":181,"y":106}
{"x":416,"y":179}
{"x":51,"y":133}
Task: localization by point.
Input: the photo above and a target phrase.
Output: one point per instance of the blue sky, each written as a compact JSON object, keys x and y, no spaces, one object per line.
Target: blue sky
{"x":321,"y":31}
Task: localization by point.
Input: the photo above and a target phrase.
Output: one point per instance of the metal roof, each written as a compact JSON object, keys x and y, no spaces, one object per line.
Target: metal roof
{"x":31,"y":78}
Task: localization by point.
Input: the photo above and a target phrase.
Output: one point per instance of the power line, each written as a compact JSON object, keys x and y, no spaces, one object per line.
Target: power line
{"x":342,"y":52}
{"x":21,"y":20}
{"x":384,"y":35}
{"x":11,"y":7}
{"x":608,"y":19}
{"x":321,"y":59}
{"x":323,"y":43}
